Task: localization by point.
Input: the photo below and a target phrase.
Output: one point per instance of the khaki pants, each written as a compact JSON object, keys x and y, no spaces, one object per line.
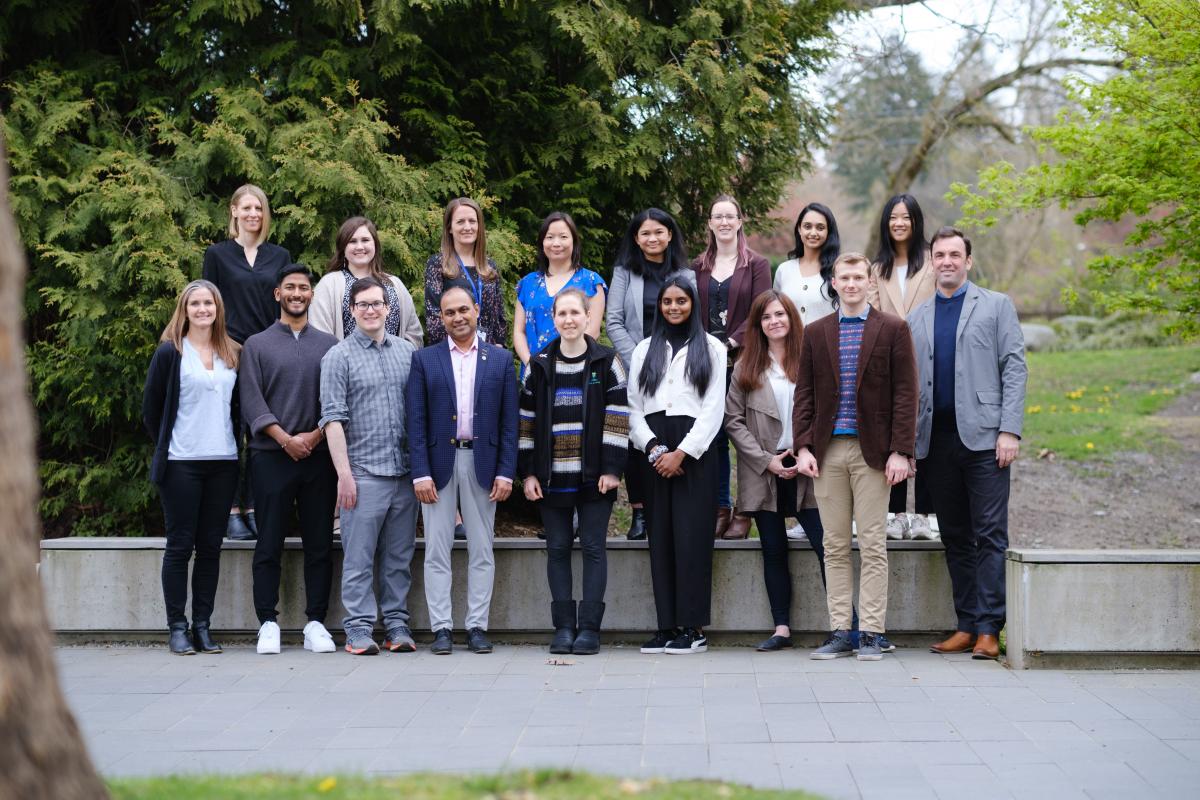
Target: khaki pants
{"x":849,"y":490}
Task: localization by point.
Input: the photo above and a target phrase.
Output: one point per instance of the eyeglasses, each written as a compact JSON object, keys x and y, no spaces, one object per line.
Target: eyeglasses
{"x":374,"y":305}
{"x":724,"y":217}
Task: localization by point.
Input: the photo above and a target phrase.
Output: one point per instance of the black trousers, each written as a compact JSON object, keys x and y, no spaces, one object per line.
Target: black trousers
{"x":637,"y":476}
{"x":682,"y":516}
{"x":560,"y":534}
{"x":281,"y":486}
{"x":922,"y":502}
{"x":772,"y":533}
{"x":970,"y":498}
{"x":195,"y":496}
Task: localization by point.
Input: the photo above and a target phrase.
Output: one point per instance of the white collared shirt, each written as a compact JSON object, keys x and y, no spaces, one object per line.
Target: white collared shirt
{"x":678,"y":398}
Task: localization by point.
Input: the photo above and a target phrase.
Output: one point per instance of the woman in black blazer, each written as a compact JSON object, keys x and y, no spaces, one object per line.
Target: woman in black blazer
{"x":190,"y":409}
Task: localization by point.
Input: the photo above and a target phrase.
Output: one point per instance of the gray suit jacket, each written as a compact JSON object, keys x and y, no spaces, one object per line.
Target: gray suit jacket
{"x":989,"y":369}
{"x":623,"y":313}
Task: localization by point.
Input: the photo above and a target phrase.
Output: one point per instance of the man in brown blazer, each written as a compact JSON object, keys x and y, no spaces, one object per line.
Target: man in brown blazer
{"x":854,"y":423}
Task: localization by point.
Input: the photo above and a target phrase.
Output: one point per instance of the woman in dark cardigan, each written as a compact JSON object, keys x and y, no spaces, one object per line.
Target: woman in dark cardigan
{"x":729,"y":276}
{"x":463,"y":261}
{"x":189,"y":407}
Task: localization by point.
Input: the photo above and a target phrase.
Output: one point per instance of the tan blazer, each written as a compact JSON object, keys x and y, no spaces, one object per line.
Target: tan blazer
{"x":753,"y":424}
{"x":886,"y":295}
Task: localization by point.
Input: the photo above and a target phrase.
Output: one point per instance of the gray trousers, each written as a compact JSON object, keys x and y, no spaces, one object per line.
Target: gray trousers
{"x":464,"y":493}
{"x":378,"y":535}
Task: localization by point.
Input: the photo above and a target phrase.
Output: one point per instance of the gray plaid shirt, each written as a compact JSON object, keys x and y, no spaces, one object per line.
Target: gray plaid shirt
{"x":362,"y":387}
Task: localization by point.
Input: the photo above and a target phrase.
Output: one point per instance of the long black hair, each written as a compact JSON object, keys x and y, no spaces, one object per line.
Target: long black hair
{"x":829,"y":251}
{"x":699,"y":367}
{"x":630,"y":255}
{"x":886,"y":258}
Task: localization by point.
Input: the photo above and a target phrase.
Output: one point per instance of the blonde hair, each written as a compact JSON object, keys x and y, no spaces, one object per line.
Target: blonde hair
{"x":450,"y":268}
{"x":259,"y":195}
{"x":851,"y":258}
{"x":177,"y":328}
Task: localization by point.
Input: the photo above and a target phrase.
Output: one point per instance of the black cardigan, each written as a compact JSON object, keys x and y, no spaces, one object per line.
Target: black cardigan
{"x":160,"y":404}
{"x":537,"y":396}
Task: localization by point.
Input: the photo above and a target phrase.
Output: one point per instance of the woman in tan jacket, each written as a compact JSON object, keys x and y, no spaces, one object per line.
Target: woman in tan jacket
{"x":904,"y":280}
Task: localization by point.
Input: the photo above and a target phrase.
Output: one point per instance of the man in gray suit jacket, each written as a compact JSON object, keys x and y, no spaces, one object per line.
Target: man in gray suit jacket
{"x":971,"y":363}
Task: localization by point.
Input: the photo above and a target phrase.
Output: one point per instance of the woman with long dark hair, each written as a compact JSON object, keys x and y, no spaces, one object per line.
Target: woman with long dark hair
{"x":904,"y":279}
{"x":574,"y":442}
{"x":189,"y":407}
{"x":729,"y":275}
{"x":651,"y":252}
{"x":357,"y":254}
{"x":806,"y":278}
{"x":463,"y":261}
{"x":676,"y":402}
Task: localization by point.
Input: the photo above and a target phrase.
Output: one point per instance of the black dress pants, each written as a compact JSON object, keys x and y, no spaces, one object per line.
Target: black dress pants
{"x":637,"y":476}
{"x":195,"y":496}
{"x":593,"y":534}
{"x":682,"y":516}
{"x":970,"y":498}
{"x":309,"y":487}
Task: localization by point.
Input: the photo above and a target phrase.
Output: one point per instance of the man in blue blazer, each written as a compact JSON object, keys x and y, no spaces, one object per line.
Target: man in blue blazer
{"x":462,"y":434}
{"x":971,"y":362}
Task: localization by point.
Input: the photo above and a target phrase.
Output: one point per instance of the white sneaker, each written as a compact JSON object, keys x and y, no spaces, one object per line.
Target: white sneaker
{"x":897,"y":527}
{"x":268,"y":639}
{"x":797,"y":534}
{"x":918,"y":528}
{"x":317,"y":639}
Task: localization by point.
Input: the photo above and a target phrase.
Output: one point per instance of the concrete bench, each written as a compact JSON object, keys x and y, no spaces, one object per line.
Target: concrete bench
{"x":1102,"y":609}
{"x":111,"y":588}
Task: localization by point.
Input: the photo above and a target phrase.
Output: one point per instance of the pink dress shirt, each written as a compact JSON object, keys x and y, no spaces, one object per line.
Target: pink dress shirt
{"x":463,"y":363}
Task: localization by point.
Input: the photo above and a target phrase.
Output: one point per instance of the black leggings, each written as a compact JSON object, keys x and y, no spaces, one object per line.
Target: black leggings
{"x":922,"y":502}
{"x":593,"y":533}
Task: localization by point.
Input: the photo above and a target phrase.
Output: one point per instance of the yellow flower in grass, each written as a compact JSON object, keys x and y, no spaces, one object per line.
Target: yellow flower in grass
{"x":1090,"y":446}
{"x":327,"y":785}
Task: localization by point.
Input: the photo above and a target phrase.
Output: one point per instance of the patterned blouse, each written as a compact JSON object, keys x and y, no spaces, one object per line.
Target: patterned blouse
{"x":391,"y":324}
{"x":538,"y":303}
{"x":490,"y":295}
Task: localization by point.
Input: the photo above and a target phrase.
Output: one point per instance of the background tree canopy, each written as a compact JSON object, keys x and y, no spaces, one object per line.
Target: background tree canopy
{"x":129,"y":123}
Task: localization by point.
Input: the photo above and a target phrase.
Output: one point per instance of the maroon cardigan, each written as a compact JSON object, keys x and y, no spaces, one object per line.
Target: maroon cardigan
{"x":748,"y":282}
{"x":886,"y":401}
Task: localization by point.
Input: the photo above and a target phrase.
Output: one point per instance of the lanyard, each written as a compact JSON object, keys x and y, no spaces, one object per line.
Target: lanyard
{"x":476,"y":287}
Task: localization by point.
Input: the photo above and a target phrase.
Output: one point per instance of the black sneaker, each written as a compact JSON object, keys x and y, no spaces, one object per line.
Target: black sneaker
{"x":836,"y":646}
{"x":477,"y":641}
{"x":885,"y":644}
{"x":659,"y":643}
{"x":689,"y":641}
{"x":443,"y":642}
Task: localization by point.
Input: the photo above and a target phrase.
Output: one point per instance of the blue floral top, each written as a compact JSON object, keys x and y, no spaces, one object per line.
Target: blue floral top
{"x":537,"y":302}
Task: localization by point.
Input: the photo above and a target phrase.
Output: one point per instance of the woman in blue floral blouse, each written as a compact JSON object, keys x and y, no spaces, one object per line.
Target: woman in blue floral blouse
{"x":558,"y":267}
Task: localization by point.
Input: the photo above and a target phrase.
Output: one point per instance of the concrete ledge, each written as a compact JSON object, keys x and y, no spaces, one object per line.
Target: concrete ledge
{"x":1103,"y":609}
{"x":110,"y":587}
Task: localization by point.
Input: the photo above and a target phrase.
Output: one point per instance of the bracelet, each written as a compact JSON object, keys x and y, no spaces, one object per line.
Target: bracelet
{"x":657,"y":453}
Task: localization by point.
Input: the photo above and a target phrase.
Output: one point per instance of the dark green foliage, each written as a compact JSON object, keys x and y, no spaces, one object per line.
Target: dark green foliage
{"x":129,"y":123}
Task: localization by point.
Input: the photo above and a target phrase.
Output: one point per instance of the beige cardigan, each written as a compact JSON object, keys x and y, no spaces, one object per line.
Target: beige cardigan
{"x":886,"y":295}
{"x":325,"y":314}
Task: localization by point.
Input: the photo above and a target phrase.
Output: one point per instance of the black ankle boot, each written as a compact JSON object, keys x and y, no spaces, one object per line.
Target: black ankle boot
{"x":562,"y":612}
{"x":202,"y":640}
{"x":179,"y":642}
{"x":587,"y":643}
{"x":637,"y":525}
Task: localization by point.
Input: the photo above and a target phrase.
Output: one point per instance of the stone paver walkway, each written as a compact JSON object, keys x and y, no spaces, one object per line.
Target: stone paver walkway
{"x":914,"y":725}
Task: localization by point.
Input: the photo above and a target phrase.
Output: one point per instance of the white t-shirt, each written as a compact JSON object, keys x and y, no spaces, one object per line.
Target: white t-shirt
{"x":785,"y":393}
{"x":901,"y":274}
{"x":203,"y":430}
{"x":807,"y":293}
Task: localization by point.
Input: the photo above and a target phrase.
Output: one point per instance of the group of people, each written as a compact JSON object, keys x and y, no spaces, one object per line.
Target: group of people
{"x":350,"y":406}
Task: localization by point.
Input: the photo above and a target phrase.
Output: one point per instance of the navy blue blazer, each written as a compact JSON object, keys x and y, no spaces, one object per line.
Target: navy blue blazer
{"x":431,"y":406}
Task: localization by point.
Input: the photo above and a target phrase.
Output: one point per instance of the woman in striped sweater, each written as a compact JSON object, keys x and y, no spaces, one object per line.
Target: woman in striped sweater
{"x":574,"y":440}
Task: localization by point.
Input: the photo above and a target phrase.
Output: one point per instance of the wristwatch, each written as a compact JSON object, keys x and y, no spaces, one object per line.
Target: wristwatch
{"x":657,"y":453}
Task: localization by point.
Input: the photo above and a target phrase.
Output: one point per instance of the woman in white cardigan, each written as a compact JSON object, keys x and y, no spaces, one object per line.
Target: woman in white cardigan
{"x":676,"y":403}
{"x":356,"y":255}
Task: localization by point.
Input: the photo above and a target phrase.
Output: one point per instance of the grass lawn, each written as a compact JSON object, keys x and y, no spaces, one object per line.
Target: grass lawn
{"x":1086,"y":404}
{"x":541,"y":785}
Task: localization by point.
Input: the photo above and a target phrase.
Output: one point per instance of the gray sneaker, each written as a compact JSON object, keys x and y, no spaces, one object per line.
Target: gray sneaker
{"x":360,"y":643}
{"x":868,"y":647}
{"x":836,"y":646}
{"x":400,"y":640}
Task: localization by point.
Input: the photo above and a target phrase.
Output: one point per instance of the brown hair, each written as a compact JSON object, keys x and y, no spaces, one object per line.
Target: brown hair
{"x":851,"y":258}
{"x":344,"y":234}
{"x":450,"y":268}
{"x":261,"y":196}
{"x":949,"y":232}
{"x":756,"y":351}
{"x":709,"y":256}
{"x":177,"y":328}
{"x":571,"y":292}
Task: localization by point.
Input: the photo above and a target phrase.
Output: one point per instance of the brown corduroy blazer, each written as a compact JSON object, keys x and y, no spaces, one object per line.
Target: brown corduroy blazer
{"x":886,"y":396}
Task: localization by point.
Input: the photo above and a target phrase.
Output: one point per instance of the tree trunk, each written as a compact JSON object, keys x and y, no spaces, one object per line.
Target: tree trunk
{"x":42,"y":754}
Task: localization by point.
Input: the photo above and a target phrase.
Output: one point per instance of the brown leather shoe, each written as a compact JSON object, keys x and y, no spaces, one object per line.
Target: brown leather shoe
{"x":987,"y":648}
{"x":960,"y":642}
{"x":724,"y":514}
{"x":739,"y":527}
